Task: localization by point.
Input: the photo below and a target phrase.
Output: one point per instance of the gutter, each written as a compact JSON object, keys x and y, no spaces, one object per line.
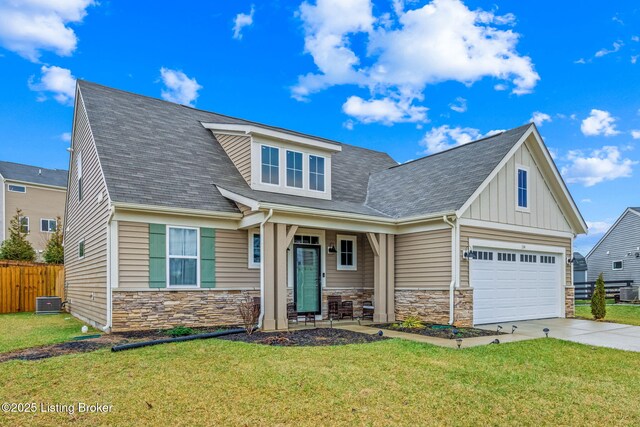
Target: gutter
{"x":454,"y":269}
{"x":107,"y":327}
{"x":264,"y":221}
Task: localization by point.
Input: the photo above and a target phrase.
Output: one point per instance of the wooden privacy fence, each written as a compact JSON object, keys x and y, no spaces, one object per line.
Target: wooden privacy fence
{"x":21,"y":284}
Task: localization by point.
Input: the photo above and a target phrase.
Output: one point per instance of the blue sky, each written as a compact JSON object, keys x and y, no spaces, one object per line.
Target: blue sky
{"x":409,"y":78}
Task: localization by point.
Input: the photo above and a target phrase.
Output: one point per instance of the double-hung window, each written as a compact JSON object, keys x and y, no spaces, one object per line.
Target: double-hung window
{"x":254,"y":249}
{"x":182,"y":257}
{"x":270,"y":164}
{"x":316,"y":173}
{"x":294,"y":169}
{"x":523,"y":188}
{"x":48,"y":225}
{"x":347,"y":253}
{"x":24,"y":224}
{"x":617,"y":265}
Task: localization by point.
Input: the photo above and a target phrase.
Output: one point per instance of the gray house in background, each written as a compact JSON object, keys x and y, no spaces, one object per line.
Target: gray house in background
{"x":617,"y":254}
{"x":579,"y":268}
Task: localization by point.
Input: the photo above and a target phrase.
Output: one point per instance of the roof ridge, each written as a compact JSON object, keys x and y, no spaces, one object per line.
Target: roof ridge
{"x":428,"y":156}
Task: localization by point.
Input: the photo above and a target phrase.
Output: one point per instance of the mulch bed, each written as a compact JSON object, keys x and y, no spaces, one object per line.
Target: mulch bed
{"x":438,"y":331}
{"x":305,"y":337}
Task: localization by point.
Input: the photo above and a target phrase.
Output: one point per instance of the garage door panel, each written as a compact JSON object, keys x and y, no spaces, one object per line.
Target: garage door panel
{"x":515,"y":290}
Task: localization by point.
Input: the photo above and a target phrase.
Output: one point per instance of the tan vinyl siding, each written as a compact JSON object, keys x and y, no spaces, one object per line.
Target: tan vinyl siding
{"x":467,"y":232}
{"x":497,"y":203}
{"x":232,"y":259}
{"x":423,"y":260}
{"x":87,"y":277}
{"x":36,"y":204}
{"x":348,"y":278}
{"x":238,"y":148}
{"x":133,"y":256}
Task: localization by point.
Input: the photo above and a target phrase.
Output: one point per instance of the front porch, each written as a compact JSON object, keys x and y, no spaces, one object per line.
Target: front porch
{"x":302,"y":266}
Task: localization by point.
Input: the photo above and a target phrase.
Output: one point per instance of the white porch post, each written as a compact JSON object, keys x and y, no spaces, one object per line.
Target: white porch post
{"x":281,"y":277}
{"x":268,"y":252}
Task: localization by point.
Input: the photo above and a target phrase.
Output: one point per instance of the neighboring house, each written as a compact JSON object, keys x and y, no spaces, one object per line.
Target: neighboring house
{"x":579,"y":268}
{"x":617,"y":254}
{"x":174,"y":215}
{"x":40,"y":194}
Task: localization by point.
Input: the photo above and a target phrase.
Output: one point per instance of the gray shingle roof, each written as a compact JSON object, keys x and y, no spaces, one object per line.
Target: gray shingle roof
{"x":158,"y":153}
{"x":33,"y":174}
{"x":636,"y":209}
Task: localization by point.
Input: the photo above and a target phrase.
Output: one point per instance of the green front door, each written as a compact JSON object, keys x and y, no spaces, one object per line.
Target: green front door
{"x":307,"y":278}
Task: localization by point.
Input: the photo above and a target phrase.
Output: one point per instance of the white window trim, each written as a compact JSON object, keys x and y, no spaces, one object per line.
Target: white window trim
{"x":613,"y":263}
{"x":250,"y":234}
{"x":197,"y":257}
{"x":279,"y":166}
{"x":339,"y":266}
{"x":286,"y":168}
{"x":324,"y":173}
{"x":518,"y":207}
{"x":81,"y":242}
{"x":17,"y":185}
{"x":20,"y":218}
{"x":49,"y":221}
{"x":79,"y":177}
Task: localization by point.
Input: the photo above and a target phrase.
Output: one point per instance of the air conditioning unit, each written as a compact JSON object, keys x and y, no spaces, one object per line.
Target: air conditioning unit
{"x":629,"y":293}
{"x":48,"y":305}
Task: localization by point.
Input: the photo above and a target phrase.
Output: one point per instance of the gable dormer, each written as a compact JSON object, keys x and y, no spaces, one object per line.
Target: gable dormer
{"x":277,"y":161}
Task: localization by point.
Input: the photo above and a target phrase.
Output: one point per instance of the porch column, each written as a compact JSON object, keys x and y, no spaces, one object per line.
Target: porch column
{"x":268,"y":266}
{"x":391,"y":296}
{"x":281,"y":277}
{"x":378,"y":244}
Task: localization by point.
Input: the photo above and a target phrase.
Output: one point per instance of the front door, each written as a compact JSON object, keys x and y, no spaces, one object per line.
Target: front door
{"x":306,"y":287}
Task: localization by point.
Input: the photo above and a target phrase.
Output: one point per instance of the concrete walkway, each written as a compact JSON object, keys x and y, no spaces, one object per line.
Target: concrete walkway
{"x":601,"y":334}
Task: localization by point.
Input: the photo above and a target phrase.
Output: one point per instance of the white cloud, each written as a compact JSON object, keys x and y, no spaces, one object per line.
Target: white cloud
{"x":57,"y":81}
{"x":408,"y":50}
{"x":386,"y":110}
{"x":242,"y":20}
{"x":604,"y":164}
{"x":66,"y":136}
{"x":31,"y":26}
{"x":580,"y":61}
{"x":635,"y":134}
{"x":616,"y":47}
{"x":348,"y":124}
{"x":539,"y":118}
{"x":635,"y":38}
{"x":460,"y":105}
{"x":445,"y":137}
{"x":179,"y":88}
{"x":599,"y":122}
{"x":598,"y":227}
{"x":586,"y":200}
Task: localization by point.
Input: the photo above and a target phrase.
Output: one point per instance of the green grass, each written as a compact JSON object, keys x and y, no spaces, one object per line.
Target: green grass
{"x":627,"y":314}
{"x":394,"y":382}
{"x":23,"y":330}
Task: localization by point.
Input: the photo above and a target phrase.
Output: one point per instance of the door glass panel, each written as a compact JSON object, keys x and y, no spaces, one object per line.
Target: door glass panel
{"x":307,"y":280}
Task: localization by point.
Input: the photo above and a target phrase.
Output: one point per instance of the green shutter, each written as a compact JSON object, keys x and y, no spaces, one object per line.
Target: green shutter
{"x":207,"y":258}
{"x":157,"y":256}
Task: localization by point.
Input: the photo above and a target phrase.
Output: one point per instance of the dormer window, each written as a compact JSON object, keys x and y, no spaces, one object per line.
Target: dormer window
{"x":316,"y":173}
{"x":270,"y":165}
{"x":294,"y":169}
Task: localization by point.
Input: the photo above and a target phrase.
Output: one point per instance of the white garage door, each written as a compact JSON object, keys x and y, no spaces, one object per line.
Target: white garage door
{"x":514,"y":285}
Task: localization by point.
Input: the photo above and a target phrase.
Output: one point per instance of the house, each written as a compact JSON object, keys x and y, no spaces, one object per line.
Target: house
{"x":617,"y":254}
{"x":174,"y":215}
{"x":40,"y":194}
{"x":579,"y":268}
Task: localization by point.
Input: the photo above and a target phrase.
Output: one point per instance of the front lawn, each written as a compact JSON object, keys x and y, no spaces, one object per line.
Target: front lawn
{"x":23,"y":330}
{"x":628,"y":314}
{"x":390,"y":382}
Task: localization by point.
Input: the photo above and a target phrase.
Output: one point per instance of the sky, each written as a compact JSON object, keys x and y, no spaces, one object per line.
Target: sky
{"x":407,"y":77}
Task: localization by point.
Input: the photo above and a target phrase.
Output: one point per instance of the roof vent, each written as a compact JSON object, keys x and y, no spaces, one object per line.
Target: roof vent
{"x":39,"y":171}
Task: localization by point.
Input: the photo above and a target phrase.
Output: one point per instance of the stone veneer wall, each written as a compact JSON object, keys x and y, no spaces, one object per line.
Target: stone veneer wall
{"x":165,"y":309}
{"x":569,"y":301}
{"x":433,"y":305}
{"x":357,"y":295}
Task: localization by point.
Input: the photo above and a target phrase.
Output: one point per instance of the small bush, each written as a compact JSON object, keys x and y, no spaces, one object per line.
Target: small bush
{"x":598,"y":300}
{"x":412,"y":322}
{"x":250,"y":313}
{"x":180,"y":331}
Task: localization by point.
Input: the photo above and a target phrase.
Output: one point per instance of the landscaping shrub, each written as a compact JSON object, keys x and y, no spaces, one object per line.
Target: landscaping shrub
{"x":598,"y":300}
{"x":180,"y":331}
{"x":250,"y":312}
{"x":412,"y":322}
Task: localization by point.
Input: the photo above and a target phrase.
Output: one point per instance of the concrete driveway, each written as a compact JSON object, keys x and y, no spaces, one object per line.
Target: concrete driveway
{"x":601,"y":334}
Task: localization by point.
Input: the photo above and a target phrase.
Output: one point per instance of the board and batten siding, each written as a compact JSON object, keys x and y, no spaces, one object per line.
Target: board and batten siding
{"x":349,"y":278}
{"x":238,"y":148}
{"x":467,"y":233}
{"x":622,"y":240}
{"x":86,"y":278}
{"x":497,"y":202}
{"x":423,"y":260}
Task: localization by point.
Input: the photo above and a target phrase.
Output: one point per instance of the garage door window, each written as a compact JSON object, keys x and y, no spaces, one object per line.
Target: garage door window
{"x":482,"y":255}
{"x":506,"y":257}
{"x":528,"y":258}
{"x":545,"y":259}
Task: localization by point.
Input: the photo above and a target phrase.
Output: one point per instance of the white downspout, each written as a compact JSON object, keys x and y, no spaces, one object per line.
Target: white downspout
{"x":267,"y":218}
{"x":110,"y":261}
{"x":454,"y":269}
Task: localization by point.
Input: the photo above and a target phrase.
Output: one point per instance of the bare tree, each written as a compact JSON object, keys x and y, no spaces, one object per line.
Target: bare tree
{"x":250,"y":312}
